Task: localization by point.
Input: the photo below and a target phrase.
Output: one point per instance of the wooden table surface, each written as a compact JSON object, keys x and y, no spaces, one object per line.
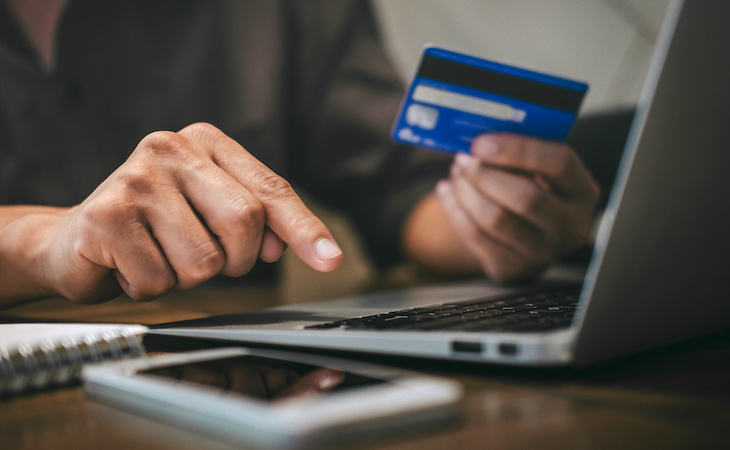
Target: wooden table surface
{"x":675,"y":397}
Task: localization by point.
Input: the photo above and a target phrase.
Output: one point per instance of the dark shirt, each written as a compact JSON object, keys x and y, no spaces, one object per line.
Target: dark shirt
{"x":302,"y":85}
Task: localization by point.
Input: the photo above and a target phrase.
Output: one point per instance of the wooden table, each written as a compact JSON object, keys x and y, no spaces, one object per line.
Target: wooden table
{"x":676,"y":397}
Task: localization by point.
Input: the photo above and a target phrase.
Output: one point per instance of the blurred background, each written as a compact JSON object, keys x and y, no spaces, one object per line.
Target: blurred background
{"x":607,"y":43}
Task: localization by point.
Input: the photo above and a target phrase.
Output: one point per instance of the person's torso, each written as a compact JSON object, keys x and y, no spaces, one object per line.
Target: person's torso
{"x":126,"y":69}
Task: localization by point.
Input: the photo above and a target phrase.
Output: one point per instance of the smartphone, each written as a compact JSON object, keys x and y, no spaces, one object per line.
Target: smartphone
{"x":271,"y":398}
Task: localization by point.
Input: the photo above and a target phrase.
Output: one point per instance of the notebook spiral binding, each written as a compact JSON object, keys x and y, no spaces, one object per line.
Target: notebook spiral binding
{"x":56,"y":363}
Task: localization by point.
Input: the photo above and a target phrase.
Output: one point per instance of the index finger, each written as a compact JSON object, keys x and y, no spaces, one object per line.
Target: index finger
{"x":552,"y":160}
{"x":286,"y":214}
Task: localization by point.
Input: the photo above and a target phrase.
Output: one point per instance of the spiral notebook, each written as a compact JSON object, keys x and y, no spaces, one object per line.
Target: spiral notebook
{"x":39,"y":355}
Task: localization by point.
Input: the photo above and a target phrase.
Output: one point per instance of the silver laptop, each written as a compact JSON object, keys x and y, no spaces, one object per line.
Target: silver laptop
{"x":658,"y":273}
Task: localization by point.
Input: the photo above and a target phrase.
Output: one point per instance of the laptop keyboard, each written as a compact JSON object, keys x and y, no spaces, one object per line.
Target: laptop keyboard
{"x":522,"y":312}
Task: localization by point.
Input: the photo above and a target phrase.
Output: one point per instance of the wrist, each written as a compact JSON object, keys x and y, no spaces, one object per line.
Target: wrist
{"x":431,"y":242}
{"x":25,"y":256}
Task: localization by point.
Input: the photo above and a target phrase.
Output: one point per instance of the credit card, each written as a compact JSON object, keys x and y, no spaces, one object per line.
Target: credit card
{"x":455,"y":97}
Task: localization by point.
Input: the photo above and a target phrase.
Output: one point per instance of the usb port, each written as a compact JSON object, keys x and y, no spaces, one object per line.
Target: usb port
{"x":508,"y":349}
{"x":466,"y":347}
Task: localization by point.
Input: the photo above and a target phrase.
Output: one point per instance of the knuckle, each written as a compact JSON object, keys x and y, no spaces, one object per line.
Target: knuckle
{"x":208,"y":262}
{"x":137,"y":182}
{"x":242,"y":264}
{"x":530,"y":199}
{"x":160,"y":287}
{"x":121,"y":204}
{"x":153,"y":286}
{"x":201,"y":129}
{"x":157,"y":139}
{"x":110,"y":212}
{"x":210,"y":138}
{"x":243,"y":218}
{"x":498,"y":220}
{"x":154,"y":290}
{"x":239,"y":269}
{"x":269,"y":186}
{"x":164,"y":144}
{"x":307,"y":223}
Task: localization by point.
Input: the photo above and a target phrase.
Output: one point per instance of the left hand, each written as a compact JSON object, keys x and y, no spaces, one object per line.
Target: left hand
{"x":517,"y":203}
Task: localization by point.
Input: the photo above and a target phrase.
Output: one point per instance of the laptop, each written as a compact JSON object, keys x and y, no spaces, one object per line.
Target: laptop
{"x":657,"y":273}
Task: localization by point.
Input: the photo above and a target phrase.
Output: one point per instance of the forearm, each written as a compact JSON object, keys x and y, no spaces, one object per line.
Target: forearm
{"x":431,"y":242}
{"x":22,"y":271}
{"x":11,"y":213}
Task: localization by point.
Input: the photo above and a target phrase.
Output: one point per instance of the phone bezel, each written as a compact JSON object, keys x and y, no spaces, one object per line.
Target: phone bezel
{"x":405,"y":397}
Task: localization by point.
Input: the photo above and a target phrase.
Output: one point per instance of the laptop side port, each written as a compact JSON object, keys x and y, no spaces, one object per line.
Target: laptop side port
{"x":508,"y":349}
{"x":466,"y":347}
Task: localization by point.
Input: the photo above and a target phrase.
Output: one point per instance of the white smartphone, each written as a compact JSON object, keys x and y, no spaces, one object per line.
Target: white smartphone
{"x":273,"y":398}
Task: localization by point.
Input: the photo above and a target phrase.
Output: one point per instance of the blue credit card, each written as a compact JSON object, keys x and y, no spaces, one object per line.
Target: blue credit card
{"x":455,"y":97}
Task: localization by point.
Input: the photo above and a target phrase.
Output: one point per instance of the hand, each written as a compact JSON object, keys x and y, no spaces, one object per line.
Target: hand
{"x":518,"y":203}
{"x":183,"y":208}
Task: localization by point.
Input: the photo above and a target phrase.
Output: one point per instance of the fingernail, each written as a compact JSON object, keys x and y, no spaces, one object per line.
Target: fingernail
{"x":329,"y":379}
{"x":484,"y":146}
{"x":461,"y":162}
{"x":325,"y":249}
{"x":443,"y":187}
{"x":463,"y":159}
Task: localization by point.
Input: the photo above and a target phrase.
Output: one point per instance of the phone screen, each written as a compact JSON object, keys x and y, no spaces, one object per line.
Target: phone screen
{"x":264,"y":378}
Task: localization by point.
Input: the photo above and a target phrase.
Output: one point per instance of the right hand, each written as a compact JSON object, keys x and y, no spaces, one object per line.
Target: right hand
{"x":183,"y":208}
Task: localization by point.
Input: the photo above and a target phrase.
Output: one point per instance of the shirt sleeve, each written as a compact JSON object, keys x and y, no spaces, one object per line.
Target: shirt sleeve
{"x":341,"y":153}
